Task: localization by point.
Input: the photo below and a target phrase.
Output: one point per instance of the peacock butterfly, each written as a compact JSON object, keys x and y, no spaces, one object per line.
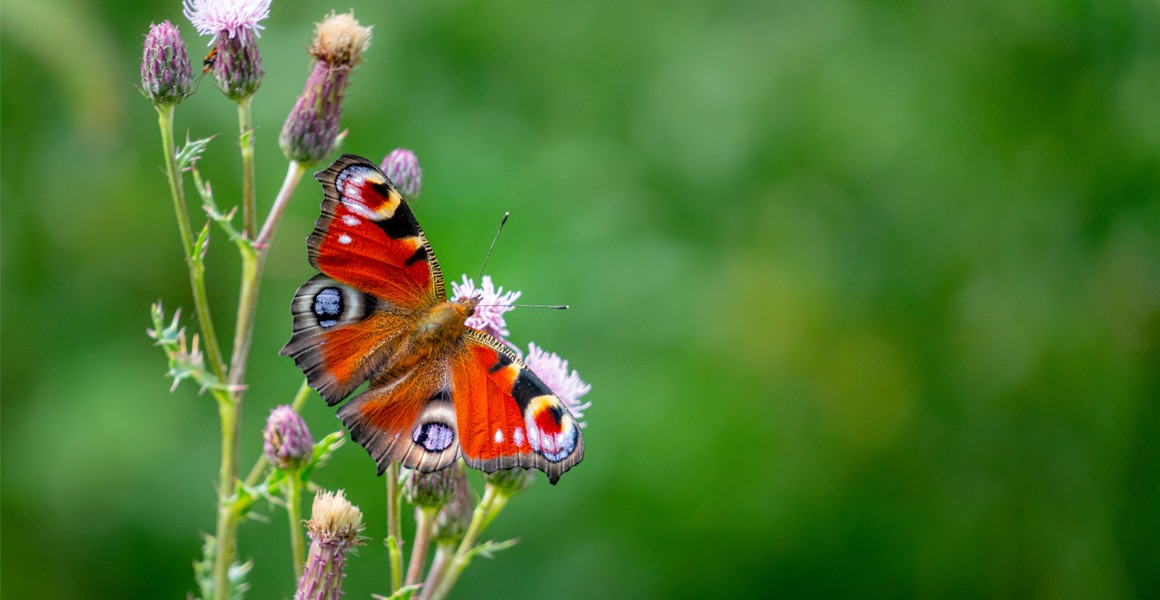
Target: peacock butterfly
{"x":379,"y":311}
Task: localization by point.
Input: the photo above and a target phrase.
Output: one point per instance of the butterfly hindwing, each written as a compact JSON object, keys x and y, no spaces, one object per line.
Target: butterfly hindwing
{"x":367,"y":237}
{"x":408,"y":417}
{"x":342,"y":336}
{"x":507,"y":416}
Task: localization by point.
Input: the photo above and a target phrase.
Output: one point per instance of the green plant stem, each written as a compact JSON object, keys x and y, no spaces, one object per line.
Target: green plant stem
{"x":294,"y":510}
{"x":260,"y":465}
{"x":424,"y":523}
{"x":246,"y":141}
{"x":227,"y":521}
{"x":443,"y":554}
{"x":489,"y":506}
{"x":394,"y":542}
{"x":252,"y":265}
{"x":252,"y":262}
{"x":196,"y":268}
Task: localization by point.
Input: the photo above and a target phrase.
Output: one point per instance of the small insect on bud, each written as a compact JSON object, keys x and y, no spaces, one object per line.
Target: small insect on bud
{"x":166,"y":75}
{"x":333,"y":527}
{"x":234,"y":59}
{"x":402,"y":168}
{"x":288,"y":443}
{"x":510,"y":482}
{"x":311,"y":129}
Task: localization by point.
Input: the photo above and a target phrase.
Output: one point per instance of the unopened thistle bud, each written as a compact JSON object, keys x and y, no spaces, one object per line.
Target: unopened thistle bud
{"x":455,"y":517}
{"x":236,"y":63}
{"x":402,"y":168}
{"x":288,"y":443}
{"x":430,"y":490}
{"x":333,"y":527}
{"x":166,"y":76}
{"x":510,"y":482}
{"x":311,"y":129}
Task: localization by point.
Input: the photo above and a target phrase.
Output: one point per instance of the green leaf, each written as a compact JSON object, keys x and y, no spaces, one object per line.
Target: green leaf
{"x":191,"y":151}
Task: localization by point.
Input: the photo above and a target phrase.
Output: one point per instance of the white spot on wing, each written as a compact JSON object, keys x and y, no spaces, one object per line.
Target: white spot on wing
{"x":499,"y":436}
{"x":344,"y":239}
{"x":351,"y":220}
{"x":518,"y":437}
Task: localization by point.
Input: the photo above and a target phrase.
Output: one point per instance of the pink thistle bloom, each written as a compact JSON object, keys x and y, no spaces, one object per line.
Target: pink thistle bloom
{"x":553,"y":371}
{"x":493,"y":303}
{"x":231,"y":17}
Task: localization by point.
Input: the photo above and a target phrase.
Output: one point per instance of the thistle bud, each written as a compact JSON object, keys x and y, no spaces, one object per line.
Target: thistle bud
{"x":311,"y":129}
{"x":166,"y":76}
{"x":455,"y":517}
{"x":510,"y":482}
{"x":402,"y":168}
{"x":236,"y":63}
{"x":333,"y":528}
{"x":430,"y":490}
{"x":288,"y":443}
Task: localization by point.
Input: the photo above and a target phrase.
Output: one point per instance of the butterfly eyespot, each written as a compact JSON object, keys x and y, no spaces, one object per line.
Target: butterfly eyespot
{"x":434,"y":436}
{"x":328,"y":306}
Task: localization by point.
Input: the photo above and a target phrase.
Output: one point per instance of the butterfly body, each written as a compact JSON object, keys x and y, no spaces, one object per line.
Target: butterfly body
{"x":378,"y":312}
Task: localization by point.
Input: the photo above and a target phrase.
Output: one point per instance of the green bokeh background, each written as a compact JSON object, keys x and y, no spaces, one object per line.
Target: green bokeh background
{"x":868,"y":292}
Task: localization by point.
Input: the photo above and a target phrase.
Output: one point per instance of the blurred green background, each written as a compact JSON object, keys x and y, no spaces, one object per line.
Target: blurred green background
{"x":868,"y":292}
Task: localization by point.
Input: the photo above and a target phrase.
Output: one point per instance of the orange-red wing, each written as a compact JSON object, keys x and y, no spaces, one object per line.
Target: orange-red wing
{"x":368,"y":238}
{"x":342,"y":336}
{"x":507,"y":416}
{"x":408,"y":417}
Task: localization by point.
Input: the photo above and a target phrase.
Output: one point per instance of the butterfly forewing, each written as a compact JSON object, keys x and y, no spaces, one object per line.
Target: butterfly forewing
{"x":368,"y":238}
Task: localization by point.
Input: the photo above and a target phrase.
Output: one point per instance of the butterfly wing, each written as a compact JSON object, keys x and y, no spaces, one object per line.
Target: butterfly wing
{"x":407,"y":416}
{"x":378,"y":273}
{"x":367,"y":237}
{"x":507,"y":417}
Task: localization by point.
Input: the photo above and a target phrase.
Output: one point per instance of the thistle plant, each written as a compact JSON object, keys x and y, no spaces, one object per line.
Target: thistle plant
{"x":449,"y":521}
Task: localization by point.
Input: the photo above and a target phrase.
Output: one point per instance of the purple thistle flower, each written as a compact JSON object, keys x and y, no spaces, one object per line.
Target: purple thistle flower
{"x":311,"y":129}
{"x":402,"y":168}
{"x":236,"y":63}
{"x":333,"y":527}
{"x":493,"y":303}
{"x":553,"y":371}
{"x":228,"y":17}
{"x":166,"y":76}
{"x":287,"y":440}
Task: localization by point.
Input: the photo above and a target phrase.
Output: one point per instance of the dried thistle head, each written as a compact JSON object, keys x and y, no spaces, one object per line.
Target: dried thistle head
{"x":340,"y":40}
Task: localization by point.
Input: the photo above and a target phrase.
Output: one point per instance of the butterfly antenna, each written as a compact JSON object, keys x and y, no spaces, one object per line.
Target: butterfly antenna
{"x":552,"y":306}
{"x":493,"y":241}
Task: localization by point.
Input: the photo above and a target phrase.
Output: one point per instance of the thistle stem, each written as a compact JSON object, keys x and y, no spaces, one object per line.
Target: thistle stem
{"x":489,"y":506}
{"x":227,"y":521}
{"x":394,"y":542}
{"x":246,"y":141}
{"x":443,"y":554}
{"x":294,"y":510}
{"x":196,"y":268}
{"x":252,"y":265}
{"x":424,"y":523}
